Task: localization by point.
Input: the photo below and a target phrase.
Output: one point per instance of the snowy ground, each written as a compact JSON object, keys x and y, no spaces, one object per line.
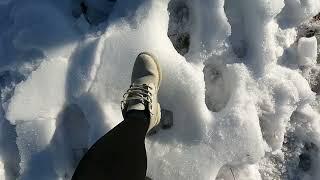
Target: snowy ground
{"x":241,"y":77}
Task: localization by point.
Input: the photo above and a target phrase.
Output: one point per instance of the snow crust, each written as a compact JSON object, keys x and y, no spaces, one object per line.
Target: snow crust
{"x":234,"y":100}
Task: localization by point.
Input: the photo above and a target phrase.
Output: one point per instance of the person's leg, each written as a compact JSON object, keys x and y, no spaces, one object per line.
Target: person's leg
{"x":120,"y":154}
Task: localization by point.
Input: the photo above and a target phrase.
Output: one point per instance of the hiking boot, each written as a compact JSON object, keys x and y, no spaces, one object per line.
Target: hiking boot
{"x":142,"y":94}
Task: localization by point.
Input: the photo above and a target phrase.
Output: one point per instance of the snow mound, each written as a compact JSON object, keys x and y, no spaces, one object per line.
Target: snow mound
{"x":47,"y":82}
{"x":240,"y":96}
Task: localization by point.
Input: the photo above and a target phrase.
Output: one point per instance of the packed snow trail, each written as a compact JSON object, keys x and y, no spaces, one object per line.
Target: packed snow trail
{"x":241,"y":89}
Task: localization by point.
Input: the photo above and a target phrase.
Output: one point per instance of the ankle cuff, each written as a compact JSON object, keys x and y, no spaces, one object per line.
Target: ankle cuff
{"x":137,"y":114}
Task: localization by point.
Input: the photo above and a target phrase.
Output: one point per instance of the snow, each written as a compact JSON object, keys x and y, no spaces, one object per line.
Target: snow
{"x":307,"y":50}
{"x":239,"y":95}
{"x":2,"y":172}
{"x":48,"y":82}
{"x":297,"y":11}
{"x":82,"y":24}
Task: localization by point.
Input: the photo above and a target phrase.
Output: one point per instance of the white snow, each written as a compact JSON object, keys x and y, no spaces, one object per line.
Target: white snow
{"x":2,"y":172}
{"x":234,"y":103}
{"x":307,"y":50}
{"x":47,"y":82}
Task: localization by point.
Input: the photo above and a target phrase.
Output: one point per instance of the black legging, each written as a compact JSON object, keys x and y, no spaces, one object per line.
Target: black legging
{"x":120,"y":154}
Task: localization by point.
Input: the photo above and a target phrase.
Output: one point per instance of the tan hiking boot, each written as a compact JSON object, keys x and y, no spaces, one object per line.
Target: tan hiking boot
{"x":143,"y":92}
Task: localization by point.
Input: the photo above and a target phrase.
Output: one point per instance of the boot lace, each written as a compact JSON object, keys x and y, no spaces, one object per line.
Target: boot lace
{"x":137,"y":92}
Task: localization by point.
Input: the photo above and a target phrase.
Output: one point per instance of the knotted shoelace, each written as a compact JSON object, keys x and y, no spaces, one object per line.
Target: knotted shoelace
{"x":138,"y":92}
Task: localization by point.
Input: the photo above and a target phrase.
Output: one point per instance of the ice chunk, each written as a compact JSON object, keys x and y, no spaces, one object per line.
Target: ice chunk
{"x":307,"y":51}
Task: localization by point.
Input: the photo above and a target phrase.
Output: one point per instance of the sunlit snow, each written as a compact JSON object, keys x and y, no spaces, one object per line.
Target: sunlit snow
{"x":244,"y":95}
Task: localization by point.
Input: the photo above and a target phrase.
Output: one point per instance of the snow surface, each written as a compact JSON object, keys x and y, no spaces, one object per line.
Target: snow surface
{"x":241,"y":96}
{"x":307,"y":50}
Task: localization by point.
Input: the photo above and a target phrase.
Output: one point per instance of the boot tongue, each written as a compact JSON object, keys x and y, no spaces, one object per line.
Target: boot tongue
{"x":135,"y":105}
